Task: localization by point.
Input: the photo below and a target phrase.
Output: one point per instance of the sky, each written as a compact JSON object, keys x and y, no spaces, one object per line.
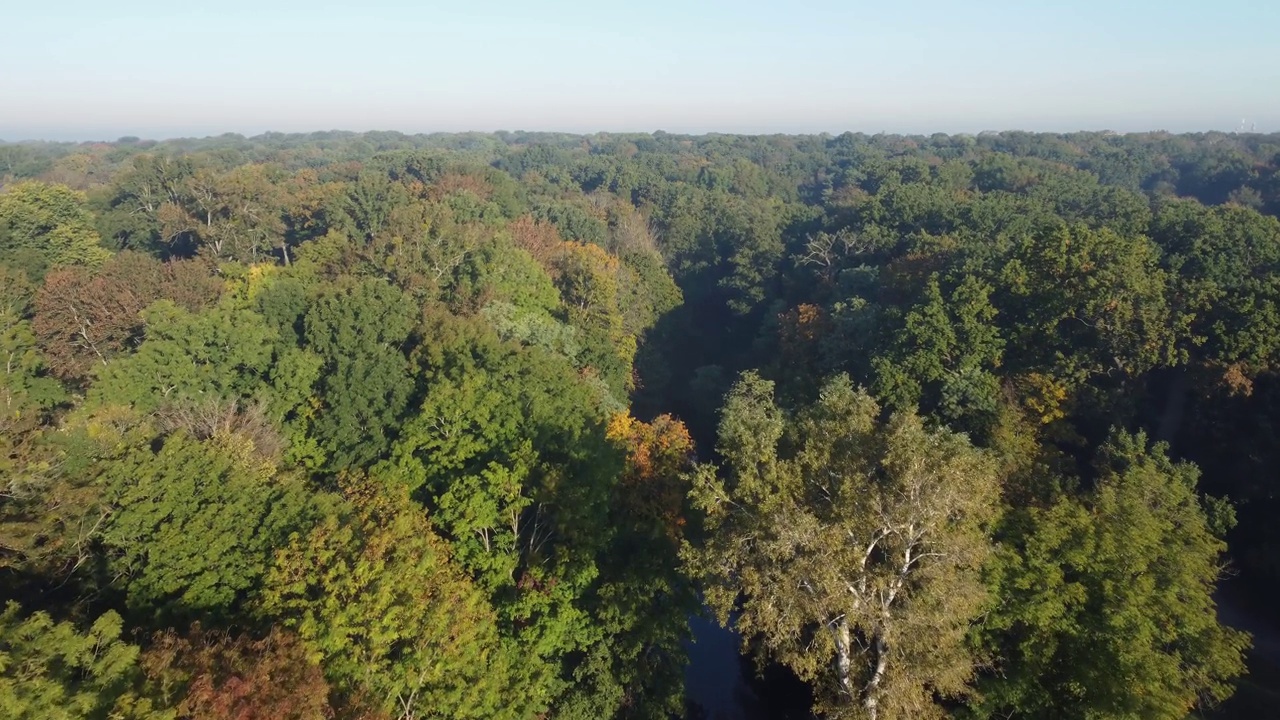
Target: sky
{"x":93,"y":70}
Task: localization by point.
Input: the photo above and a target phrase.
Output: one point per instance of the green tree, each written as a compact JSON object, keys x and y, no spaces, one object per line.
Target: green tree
{"x":644,"y":604}
{"x":55,"y":671}
{"x":44,"y":226}
{"x":238,"y":214}
{"x":144,"y":209}
{"x":191,"y":527}
{"x":508,"y":453}
{"x":359,"y":329}
{"x":25,"y":392}
{"x":588,"y":281}
{"x":854,"y":545}
{"x":373,"y":592}
{"x":1087,"y":302}
{"x":1107,"y":604}
{"x":1225,"y":261}
{"x":946,"y":356}
{"x":186,"y":357}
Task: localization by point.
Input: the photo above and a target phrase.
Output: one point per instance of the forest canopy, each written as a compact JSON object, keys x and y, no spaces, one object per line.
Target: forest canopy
{"x":373,"y":426}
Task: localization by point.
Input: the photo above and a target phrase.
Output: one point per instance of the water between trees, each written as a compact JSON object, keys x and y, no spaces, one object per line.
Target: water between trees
{"x":721,"y":684}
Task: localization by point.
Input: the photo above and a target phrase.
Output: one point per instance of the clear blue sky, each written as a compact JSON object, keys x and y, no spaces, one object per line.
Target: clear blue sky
{"x":87,"y":69}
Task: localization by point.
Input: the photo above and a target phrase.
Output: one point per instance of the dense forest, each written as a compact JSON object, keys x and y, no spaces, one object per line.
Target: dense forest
{"x":374,"y":426}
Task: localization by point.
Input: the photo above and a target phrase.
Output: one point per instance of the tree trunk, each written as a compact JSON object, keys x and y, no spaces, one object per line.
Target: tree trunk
{"x":843,"y":662}
{"x":871,"y":692}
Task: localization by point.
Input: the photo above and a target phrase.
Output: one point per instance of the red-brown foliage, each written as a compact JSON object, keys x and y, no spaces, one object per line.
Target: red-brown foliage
{"x":213,"y":676}
{"x":83,"y":317}
{"x":537,"y":237}
{"x":451,"y":183}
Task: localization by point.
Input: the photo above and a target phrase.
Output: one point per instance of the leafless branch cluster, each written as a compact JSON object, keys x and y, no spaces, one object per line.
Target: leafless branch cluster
{"x":217,"y":417}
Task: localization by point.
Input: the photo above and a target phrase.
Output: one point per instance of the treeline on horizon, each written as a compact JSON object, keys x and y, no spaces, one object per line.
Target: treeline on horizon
{"x":376,"y":426}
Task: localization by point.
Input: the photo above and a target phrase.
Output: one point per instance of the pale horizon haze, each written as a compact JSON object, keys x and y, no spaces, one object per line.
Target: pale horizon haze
{"x":82,"y":70}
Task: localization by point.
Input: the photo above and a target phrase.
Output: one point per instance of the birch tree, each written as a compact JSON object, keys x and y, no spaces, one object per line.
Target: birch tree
{"x":847,"y":548}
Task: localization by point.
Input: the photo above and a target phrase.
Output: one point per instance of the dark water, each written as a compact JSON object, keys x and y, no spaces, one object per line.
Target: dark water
{"x":1241,"y":607}
{"x":1252,"y":609}
{"x":721,"y":684}
{"x":714,"y":682}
